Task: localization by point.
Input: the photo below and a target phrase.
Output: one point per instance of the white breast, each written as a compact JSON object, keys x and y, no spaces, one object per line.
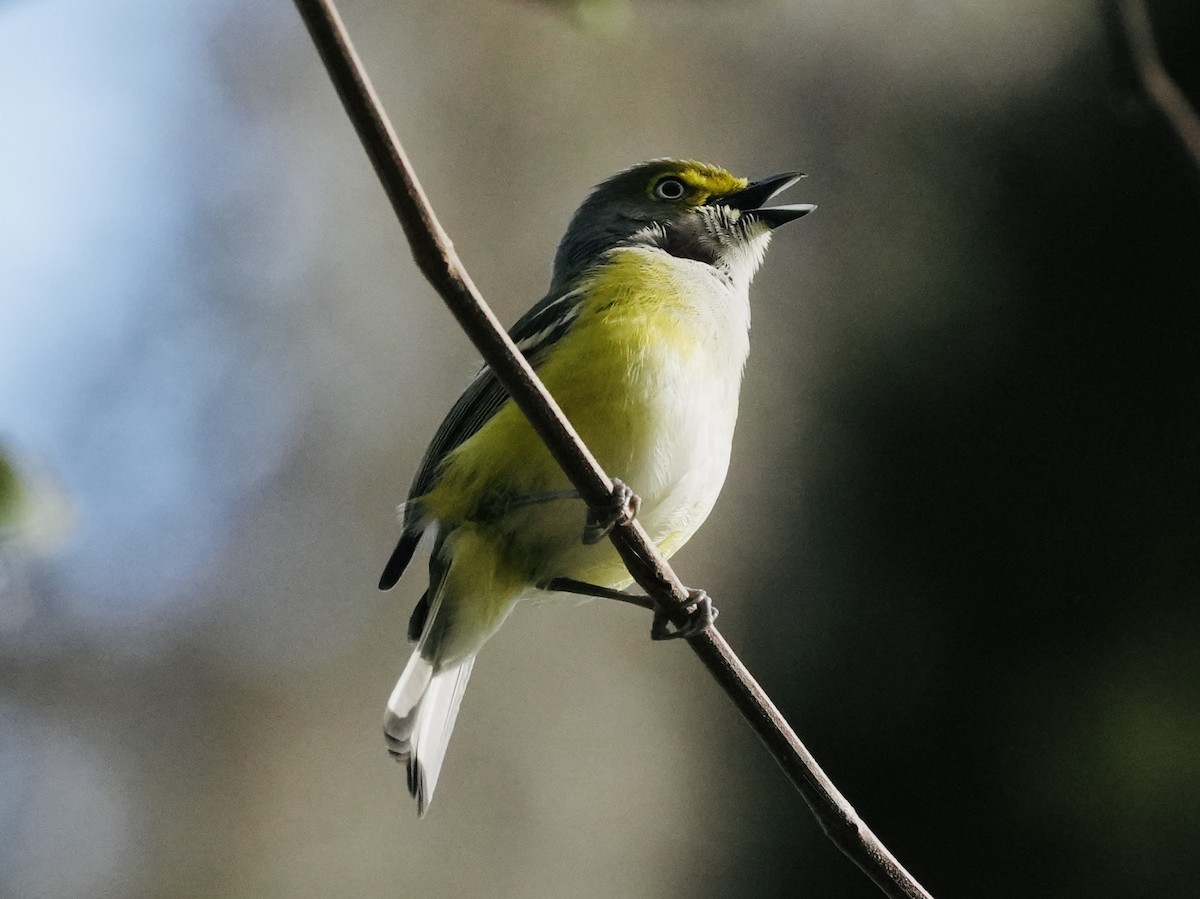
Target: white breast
{"x":687,"y":458}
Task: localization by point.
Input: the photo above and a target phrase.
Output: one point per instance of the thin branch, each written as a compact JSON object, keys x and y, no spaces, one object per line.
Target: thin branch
{"x":1160,"y":89}
{"x":440,"y":264}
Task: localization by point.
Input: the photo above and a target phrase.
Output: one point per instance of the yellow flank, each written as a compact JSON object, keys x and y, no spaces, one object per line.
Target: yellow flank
{"x":633,"y":335}
{"x":480,"y":574}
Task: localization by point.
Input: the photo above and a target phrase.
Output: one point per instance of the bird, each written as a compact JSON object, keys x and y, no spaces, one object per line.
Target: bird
{"x":642,"y":339}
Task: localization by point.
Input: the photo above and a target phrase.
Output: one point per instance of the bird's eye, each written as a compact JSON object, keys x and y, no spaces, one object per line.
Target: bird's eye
{"x":669,"y":189}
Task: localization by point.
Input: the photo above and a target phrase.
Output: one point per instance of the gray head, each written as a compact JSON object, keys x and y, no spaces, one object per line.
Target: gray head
{"x":689,"y":209}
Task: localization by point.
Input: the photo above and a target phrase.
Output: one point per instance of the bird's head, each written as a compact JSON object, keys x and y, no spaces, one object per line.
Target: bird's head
{"x":688,"y":209}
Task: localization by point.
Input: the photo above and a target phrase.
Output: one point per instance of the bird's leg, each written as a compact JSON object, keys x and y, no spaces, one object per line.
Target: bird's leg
{"x":535,"y":498}
{"x":583,"y":588}
{"x":622,"y":509}
{"x":499,"y":504}
{"x":701,"y":614}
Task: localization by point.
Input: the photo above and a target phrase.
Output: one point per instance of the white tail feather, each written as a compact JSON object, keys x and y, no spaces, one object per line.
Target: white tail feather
{"x":420,"y":717}
{"x":404,"y":704}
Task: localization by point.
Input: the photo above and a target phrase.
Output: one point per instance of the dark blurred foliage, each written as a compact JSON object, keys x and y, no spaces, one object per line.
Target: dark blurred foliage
{"x":1024,"y":526}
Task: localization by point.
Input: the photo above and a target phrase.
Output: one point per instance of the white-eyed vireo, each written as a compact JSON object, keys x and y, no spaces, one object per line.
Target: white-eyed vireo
{"x":641,"y":340}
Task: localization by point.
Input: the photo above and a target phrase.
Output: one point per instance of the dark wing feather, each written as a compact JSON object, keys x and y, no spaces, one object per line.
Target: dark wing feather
{"x":534,"y":333}
{"x":399,"y":559}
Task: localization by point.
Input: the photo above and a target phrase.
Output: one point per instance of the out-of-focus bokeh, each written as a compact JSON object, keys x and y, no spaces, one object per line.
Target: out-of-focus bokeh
{"x":959,"y":545}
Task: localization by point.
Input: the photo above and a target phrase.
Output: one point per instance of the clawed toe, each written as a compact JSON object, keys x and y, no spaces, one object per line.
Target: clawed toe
{"x":622,"y":510}
{"x":701,"y":615}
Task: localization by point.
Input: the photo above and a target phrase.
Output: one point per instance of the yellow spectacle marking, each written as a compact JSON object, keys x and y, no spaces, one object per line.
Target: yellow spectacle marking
{"x":704,"y":180}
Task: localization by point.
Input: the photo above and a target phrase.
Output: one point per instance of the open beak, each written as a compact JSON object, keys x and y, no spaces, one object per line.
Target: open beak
{"x":750,"y":199}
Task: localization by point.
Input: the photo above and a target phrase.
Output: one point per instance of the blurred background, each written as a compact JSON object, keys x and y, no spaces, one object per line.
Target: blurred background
{"x":958,"y":544}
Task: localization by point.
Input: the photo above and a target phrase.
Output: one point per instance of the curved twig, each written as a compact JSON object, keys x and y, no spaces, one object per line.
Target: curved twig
{"x":1160,"y":89}
{"x":436,"y":258}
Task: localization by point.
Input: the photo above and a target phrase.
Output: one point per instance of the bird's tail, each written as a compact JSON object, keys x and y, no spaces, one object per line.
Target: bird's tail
{"x":423,"y":707}
{"x":420,"y":716}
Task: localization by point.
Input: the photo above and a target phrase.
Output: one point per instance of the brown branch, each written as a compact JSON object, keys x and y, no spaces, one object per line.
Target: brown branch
{"x":437,"y":260}
{"x":1160,"y":89}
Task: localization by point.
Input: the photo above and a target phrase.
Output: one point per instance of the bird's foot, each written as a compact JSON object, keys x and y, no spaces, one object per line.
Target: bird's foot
{"x":622,"y":509}
{"x":701,"y":614}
